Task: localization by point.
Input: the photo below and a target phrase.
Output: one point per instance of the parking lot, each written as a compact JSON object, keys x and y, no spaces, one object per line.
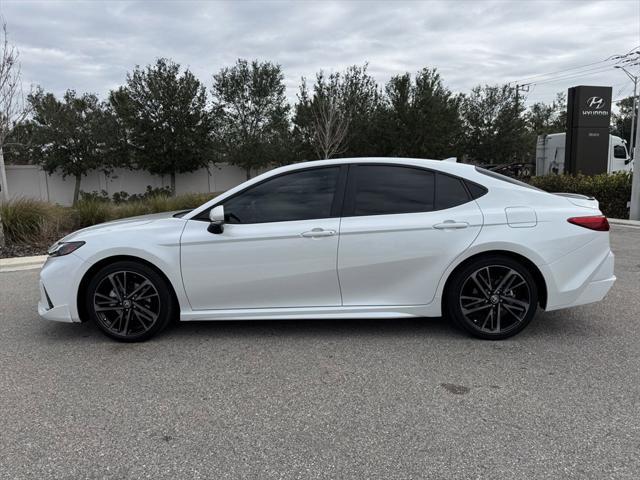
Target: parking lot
{"x":325,"y":399}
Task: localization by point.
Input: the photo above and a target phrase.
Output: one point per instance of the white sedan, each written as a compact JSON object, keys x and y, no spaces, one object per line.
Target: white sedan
{"x":349,"y":238}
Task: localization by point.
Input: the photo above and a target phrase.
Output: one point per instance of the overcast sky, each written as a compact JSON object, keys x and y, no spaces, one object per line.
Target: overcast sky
{"x":90,"y":46}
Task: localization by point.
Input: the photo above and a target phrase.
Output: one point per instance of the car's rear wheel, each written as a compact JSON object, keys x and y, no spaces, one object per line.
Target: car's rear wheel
{"x":129,"y":301}
{"x":492,"y":297}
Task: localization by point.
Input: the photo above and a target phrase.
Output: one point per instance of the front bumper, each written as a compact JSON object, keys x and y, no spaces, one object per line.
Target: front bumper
{"x":59,"y":281}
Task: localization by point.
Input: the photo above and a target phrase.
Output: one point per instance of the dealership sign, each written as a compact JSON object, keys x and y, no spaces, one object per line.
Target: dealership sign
{"x":596,"y":106}
{"x":587,"y":141}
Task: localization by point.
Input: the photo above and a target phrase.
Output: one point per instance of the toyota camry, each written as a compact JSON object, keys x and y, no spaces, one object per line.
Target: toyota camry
{"x":348,"y":238}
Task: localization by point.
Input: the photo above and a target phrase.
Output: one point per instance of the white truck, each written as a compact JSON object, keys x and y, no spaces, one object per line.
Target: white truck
{"x":550,"y":154}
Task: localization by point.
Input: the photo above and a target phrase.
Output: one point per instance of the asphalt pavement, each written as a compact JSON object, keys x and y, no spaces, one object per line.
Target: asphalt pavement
{"x":325,"y":399}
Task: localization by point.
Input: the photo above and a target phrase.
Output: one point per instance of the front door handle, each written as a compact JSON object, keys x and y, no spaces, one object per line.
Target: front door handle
{"x":318,"y":232}
{"x":450,"y":225}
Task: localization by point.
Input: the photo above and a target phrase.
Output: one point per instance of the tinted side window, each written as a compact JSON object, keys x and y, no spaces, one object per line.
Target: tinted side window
{"x":619,"y":151}
{"x":301,"y":195}
{"x":383,"y":190}
{"x":475,"y":190}
{"x":450,"y":192}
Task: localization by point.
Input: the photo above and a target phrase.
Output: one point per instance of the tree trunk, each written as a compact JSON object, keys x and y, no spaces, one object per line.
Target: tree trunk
{"x":248,"y":172}
{"x":76,"y":190}
{"x":173,"y":184}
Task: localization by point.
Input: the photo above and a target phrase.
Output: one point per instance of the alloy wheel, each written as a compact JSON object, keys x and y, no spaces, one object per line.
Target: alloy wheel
{"x":126,"y":303}
{"x":495,"y":299}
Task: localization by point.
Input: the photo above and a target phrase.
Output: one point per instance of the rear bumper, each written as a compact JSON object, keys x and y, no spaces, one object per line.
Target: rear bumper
{"x":595,"y":291}
{"x":582,"y":277}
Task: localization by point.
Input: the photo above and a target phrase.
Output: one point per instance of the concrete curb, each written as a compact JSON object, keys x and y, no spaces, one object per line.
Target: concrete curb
{"x":626,"y":223}
{"x":21,"y":263}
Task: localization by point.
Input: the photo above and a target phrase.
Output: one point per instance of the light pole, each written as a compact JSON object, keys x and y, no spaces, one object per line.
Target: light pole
{"x":634,"y":211}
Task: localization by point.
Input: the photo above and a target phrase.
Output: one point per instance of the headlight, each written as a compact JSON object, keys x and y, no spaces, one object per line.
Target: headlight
{"x":60,"y":249}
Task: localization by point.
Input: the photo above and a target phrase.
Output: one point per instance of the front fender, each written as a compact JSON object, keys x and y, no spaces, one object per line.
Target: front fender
{"x":157,"y":243}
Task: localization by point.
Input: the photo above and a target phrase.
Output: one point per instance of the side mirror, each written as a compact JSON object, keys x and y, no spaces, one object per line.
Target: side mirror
{"x":216,"y":216}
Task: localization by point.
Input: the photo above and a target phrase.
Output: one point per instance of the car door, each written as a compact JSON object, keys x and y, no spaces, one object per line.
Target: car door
{"x":278,"y":248}
{"x":401,"y":227}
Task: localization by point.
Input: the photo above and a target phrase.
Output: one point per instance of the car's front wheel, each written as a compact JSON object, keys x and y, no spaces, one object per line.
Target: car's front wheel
{"x":129,"y":301}
{"x":493,"y":297}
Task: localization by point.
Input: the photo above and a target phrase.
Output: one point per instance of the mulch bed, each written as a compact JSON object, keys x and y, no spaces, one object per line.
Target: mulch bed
{"x":9,"y":251}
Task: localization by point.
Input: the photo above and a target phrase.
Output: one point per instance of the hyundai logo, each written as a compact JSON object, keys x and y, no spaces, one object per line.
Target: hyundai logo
{"x":595,"y":102}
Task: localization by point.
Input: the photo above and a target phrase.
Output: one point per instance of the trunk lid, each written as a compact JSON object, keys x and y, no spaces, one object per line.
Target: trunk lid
{"x":580,"y":200}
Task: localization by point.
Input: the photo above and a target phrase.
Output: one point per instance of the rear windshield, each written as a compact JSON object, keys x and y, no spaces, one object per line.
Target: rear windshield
{"x":504,"y":178}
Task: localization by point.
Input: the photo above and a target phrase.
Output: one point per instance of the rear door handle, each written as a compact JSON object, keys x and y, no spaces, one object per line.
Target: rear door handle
{"x":318,"y":232}
{"x":450,"y":225}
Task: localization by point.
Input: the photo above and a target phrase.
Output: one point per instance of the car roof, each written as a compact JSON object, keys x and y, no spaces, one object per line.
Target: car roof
{"x":445,"y":166}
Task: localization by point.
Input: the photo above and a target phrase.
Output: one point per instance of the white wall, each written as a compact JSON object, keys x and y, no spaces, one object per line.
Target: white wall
{"x":30,"y":181}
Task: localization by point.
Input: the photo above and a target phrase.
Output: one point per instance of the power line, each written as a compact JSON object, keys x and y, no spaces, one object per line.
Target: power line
{"x":574,"y":75}
{"x":566,"y":73}
{"x":522,"y":80}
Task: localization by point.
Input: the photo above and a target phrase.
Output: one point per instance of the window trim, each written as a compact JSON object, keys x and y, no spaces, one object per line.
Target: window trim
{"x":336,"y":203}
{"x":504,"y":178}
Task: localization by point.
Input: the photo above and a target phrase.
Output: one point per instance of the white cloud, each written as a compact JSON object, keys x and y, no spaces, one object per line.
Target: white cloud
{"x":90,"y":46}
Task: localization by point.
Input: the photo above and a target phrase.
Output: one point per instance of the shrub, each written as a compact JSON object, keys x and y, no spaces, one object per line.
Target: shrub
{"x":130,"y":209}
{"x":24,"y":220}
{"x":120,"y":197}
{"x":89,"y":212}
{"x":38,"y":223}
{"x":102,"y":195}
{"x":158,"y":203}
{"x":149,"y":193}
{"x":189,"y":200}
{"x":612,"y":190}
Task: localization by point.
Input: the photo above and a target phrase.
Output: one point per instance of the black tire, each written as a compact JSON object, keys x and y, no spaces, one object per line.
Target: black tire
{"x":129,"y":301}
{"x":492,"y":297}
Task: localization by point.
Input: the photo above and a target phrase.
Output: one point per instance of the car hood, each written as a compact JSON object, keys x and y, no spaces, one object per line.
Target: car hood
{"x":123,"y":223}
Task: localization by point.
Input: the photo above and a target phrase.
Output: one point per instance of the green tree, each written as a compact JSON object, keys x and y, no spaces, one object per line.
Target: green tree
{"x":362,"y":99}
{"x":162,"y":113}
{"x":544,"y":118}
{"x":494,"y":126}
{"x":18,"y":147}
{"x":339,"y":116}
{"x":321,"y":121}
{"x":72,"y":135}
{"x":421,"y":117}
{"x":253,"y":115}
{"x":621,"y":121}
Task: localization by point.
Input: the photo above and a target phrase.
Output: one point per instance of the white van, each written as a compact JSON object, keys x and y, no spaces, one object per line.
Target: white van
{"x":550,"y":154}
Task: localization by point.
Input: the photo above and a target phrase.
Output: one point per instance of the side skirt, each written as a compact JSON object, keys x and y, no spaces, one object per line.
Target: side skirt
{"x":392,"y":311}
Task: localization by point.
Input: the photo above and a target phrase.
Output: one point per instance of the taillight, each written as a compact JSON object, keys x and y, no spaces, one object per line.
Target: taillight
{"x":594,"y":222}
